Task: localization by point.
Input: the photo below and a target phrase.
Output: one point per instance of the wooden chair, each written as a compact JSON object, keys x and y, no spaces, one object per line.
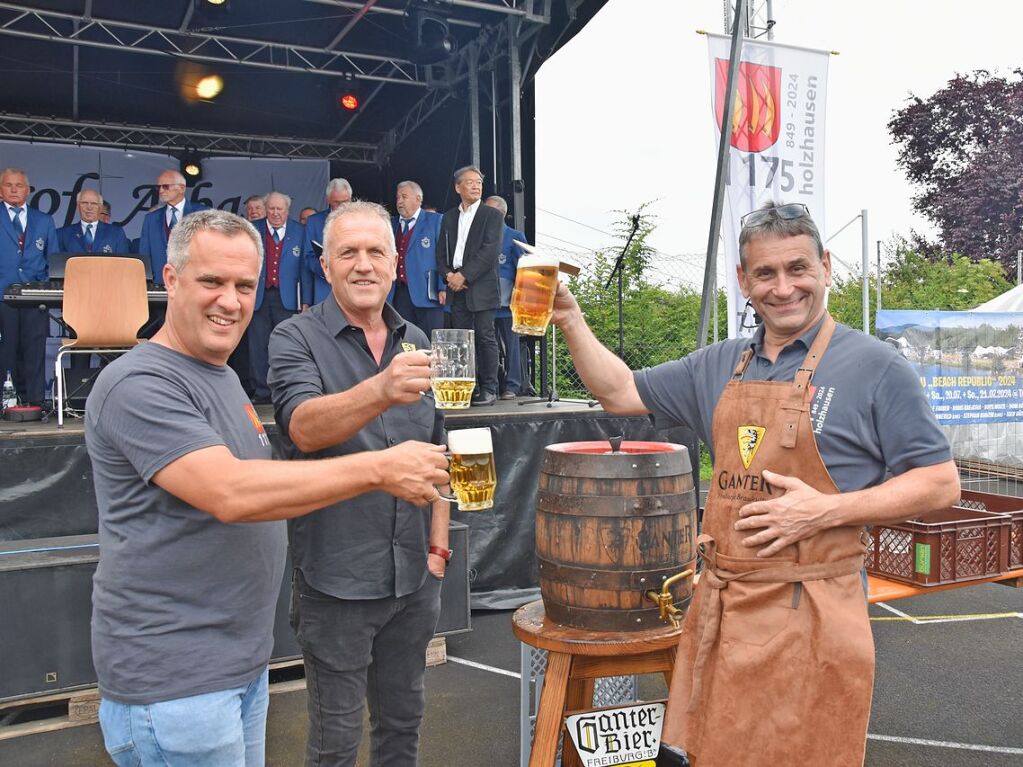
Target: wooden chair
{"x":105,"y":304}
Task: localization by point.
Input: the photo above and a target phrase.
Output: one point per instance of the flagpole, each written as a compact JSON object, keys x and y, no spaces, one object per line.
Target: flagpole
{"x":710,"y":270}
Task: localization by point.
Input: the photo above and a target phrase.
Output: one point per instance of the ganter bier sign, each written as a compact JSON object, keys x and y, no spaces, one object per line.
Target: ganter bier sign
{"x":623,"y":737}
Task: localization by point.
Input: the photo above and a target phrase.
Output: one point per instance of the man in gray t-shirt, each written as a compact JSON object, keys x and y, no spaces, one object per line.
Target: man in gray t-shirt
{"x":191,"y":558}
{"x":805,"y":421}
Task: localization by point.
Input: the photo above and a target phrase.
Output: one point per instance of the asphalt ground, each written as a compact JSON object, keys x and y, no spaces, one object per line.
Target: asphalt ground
{"x":948,"y":691}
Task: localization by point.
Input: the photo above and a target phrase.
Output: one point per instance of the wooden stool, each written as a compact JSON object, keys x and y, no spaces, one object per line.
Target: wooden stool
{"x":575,"y":659}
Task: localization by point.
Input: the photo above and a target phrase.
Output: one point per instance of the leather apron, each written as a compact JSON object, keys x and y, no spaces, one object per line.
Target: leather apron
{"x":776,"y":658}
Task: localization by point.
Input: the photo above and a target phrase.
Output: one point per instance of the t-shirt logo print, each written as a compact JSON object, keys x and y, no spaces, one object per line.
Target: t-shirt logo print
{"x":250,"y":411}
{"x":750,"y":438}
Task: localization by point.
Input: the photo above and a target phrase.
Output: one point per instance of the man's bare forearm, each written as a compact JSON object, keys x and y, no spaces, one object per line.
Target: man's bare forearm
{"x":903,"y":497}
{"x":606,"y":376}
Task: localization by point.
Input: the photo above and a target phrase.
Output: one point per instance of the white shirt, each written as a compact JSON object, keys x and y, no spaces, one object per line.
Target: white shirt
{"x":180,"y":208}
{"x":465,"y":218}
{"x":85,"y":227}
{"x":279,"y":229}
{"x":22,"y":217}
{"x":411,"y":219}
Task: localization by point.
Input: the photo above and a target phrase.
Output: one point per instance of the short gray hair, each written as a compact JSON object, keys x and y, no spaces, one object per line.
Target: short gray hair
{"x":78,"y":197}
{"x":777,"y":227}
{"x":501,"y":204}
{"x":177,"y":174}
{"x":253,"y":197}
{"x":462,"y":171}
{"x":211,"y":220}
{"x":357,"y":206}
{"x":416,"y":189}
{"x":15,"y":171}
{"x":338,"y":185}
{"x":286,"y":198}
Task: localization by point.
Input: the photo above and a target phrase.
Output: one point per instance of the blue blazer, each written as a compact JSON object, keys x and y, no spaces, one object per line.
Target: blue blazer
{"x":109,"y":239}
{"x":290,"y":276}
{"x":153,"y":240}
{"x":507,"y":263}
{"x":40,"y":241}
{"x":421,"y":258}
{"x":313,"y":282}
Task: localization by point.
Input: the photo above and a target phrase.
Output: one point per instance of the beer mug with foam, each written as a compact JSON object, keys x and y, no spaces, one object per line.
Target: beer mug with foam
{"x":473,"y":471}
{"x":452,"y":368}
{"x":532,"y":300}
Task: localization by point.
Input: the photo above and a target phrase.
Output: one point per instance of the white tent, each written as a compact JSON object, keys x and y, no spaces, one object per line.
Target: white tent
{"x":1009,"y":301}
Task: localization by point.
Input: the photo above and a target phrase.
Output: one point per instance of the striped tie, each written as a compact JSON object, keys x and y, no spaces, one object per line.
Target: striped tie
{"x":88,"y":236}
{"x":17,"y":221}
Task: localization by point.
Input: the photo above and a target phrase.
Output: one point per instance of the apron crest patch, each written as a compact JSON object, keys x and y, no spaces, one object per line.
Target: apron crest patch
{"x":407,"y":347}
{"x":750,"y":438}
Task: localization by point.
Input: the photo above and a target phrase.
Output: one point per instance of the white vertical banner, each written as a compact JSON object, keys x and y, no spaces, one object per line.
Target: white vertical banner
{"x":777,"y":148}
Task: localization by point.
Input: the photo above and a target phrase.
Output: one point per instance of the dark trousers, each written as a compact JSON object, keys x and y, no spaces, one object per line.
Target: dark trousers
{"x":23,"y":350}
{"x":357,"y":650}
{"x":426,"y":318}
{"x":512,"y":355}
{"x":268,"y":316}
{"x":486,"y":339}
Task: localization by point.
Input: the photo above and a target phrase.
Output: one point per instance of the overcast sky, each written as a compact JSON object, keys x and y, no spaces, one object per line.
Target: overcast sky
{"x":623,"y":110}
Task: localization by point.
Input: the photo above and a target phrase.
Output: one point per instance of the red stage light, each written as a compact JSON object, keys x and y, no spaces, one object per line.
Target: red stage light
{"x":350,"y":102}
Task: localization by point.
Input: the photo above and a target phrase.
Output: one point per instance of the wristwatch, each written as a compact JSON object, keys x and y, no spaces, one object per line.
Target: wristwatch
{"x":444,"y":554}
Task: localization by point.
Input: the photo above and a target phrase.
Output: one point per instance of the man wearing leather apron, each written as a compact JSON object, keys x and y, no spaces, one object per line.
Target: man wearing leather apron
{"x":816,"y":430}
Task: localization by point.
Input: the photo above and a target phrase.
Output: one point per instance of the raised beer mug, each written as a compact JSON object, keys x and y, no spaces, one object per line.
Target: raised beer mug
{"x":472,"y":469}
{"x":452,"y":367}
{"x":532,"y":300}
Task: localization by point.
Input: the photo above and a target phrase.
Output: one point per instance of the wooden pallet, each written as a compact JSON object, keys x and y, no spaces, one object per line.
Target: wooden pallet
{"x":74,"y":708}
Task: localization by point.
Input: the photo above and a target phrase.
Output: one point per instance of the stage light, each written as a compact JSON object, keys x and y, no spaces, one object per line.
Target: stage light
{"x":433,"y":41}
{"x":348,"y":94}
{"x":209,"y":87}
{"x":216,"y":5}
{"x":191,"y":167}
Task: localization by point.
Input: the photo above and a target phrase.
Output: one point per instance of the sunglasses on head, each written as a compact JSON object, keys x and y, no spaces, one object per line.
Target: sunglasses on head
{"x":788,"y":212}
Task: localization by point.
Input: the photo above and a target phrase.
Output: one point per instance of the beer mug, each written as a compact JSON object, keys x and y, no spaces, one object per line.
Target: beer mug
{"x":452,"y":368}
{"x":532,"y":300}
{"x":472,"y":470}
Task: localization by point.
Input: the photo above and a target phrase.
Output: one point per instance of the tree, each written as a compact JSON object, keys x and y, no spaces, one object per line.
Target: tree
{"x":964,"y":147}
{"x":912,"y":281}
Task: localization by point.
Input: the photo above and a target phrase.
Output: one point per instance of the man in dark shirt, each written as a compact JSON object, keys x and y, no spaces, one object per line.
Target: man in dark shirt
{"x":470,"y":244}
{"x":347,"y":376}
{"x":184,"y":597}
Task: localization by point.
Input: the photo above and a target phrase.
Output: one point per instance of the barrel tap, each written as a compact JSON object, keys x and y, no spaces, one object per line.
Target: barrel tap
{"x":665,"y":601}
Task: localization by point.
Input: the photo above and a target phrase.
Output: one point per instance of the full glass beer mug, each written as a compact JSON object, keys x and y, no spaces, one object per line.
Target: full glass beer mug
{"x":452,"y":368}
{"x":532,"y":300}
{"x":473,"y":472}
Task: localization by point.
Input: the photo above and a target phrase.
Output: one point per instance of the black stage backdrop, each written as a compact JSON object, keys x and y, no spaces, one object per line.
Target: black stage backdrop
{"x":46,"y":489}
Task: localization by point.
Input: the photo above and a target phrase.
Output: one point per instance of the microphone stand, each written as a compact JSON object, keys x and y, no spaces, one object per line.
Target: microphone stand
{"x":617,"y":269}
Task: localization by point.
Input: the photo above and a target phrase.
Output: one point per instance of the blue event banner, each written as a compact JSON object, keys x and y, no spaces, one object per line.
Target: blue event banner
{"x":969,"y":362}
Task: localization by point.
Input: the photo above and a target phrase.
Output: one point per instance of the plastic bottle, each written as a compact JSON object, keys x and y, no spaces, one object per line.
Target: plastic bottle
{"x":10,"y":397}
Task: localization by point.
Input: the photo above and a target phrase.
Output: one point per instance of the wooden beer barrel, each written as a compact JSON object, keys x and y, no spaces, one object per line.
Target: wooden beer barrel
{"x":609,"y":526}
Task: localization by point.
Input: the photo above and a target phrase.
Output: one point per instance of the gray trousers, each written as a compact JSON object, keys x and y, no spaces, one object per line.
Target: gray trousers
{"x":371,"y":650}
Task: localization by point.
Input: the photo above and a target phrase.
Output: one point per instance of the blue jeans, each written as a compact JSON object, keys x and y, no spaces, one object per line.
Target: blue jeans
{"x":217,"y":729}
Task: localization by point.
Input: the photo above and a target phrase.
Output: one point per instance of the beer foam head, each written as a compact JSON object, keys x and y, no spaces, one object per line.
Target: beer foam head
{"x":536,"y":259}
{"x":470,"y":441}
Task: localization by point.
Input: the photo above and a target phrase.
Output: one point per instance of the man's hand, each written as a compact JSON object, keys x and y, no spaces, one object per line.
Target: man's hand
{"x":436,"y":564}
{"x":798,"y":514}
{"x":406,"y":377}
{"x":456,"y":281}
{"x":442,"y":297}
{"x":566,"y":307}
{"x":412,"y":471}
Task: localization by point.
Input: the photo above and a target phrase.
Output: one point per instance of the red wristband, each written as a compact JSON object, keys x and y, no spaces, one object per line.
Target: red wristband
{"x":444,"y":554}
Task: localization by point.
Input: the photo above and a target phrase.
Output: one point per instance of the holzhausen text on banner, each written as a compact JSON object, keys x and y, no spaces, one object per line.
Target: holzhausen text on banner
{"x":777,"y":148}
